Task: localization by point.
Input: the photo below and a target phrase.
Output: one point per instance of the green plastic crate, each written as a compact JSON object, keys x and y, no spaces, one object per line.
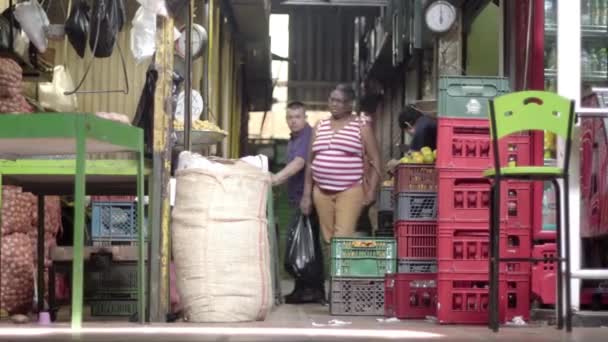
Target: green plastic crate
{"x":363,"y":257}
{"x":113,"y":307}
{"x":467,"y":97}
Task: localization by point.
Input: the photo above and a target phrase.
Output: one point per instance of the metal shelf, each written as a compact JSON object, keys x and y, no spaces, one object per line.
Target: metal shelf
{"x":596,"y":32}
{"x":592,"y":77}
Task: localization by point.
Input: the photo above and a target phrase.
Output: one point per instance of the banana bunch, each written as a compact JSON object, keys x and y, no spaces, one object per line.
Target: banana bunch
{"x":199,"y":125}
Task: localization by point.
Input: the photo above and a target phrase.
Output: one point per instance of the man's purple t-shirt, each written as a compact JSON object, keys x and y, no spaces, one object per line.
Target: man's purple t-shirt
{"x":298,"y":147}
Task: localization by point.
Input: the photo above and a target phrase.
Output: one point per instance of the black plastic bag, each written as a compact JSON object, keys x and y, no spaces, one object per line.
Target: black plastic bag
{"x":77,"y":27}
{"x":107,"y":19}
{"x":144,"y":115}
{"x":301,"y":256}
{"x":176,"y":7}
{"x":5,"y":34}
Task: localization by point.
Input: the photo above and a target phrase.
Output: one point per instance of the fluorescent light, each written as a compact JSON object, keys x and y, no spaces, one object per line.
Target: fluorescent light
{"x":361,"y":3}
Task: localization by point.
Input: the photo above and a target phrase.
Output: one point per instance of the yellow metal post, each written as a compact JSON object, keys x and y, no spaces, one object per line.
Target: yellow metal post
{"x":159,"y":257}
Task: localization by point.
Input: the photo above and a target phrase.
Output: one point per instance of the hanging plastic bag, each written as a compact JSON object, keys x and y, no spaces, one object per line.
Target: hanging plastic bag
{"x":143,"y":34}
{"x":51,"y":94}
{"x":196,"y":104}
{"x":5,"y":33}
{"x":301,"y":250}
{"x":107,"y":19}
{"x":34,"y":22}
{"x":159,"y":7}
{"x":175,"y":7}
{"x":77,"y":27}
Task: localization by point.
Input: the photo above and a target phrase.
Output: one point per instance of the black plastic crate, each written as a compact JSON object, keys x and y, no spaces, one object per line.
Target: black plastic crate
{"x":416,"y":206}
{"x":417,"y":266}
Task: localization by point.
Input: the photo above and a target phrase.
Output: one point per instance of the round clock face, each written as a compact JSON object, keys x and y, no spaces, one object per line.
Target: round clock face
{"x":440,"y":16}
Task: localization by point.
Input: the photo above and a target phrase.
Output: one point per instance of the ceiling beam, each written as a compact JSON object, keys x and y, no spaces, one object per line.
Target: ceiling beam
{"x":352,"y":3}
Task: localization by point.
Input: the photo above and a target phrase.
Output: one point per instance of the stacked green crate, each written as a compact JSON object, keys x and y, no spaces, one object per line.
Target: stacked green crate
{"x":468,"y":97}
{"x":358,"y":267}
{"x":283,"y":212}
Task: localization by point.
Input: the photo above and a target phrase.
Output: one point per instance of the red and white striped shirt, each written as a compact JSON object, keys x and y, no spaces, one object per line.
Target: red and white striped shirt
{"x":338,"y":156}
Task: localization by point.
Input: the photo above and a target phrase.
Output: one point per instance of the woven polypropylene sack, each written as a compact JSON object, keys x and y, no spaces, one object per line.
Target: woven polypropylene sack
{"x":220,"y":243}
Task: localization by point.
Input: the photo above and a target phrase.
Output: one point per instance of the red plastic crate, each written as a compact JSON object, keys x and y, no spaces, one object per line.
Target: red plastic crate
{"x":517,"y":296}
{"x":602,"y":227}
{"x":543,"y":215}
{"x":465,"y":197}
{"x":463,"y":298}
{"x":416,"y":239}
{"x":544,"y":274}
{"x":466,"y":144}
{"x":594,"y":297}
{"x":415,"y":178}
{"x":410,"y":295}
{"x":465,"y":247}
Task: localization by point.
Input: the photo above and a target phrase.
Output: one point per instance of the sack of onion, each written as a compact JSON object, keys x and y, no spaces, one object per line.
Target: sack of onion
{"x":17,"y":209}
{"x":17,"y":284}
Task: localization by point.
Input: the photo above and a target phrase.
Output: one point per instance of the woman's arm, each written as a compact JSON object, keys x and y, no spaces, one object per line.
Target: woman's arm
{"x":371,"y":149}
{"x":306,"y":202}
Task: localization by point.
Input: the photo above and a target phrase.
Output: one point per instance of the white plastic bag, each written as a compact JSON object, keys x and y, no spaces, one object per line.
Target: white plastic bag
{"x":197,"y":105}
{"x":51,"y":94}
{"x":143,"y":34}
{"x":159,"y":7}
{"x":34,"y":22}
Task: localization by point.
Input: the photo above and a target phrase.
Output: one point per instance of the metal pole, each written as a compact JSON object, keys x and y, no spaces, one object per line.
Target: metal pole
{"x":159,"y":256}
{"x":188,"y":81}
{"x":40,"y":259}
{"x":569,"y":85}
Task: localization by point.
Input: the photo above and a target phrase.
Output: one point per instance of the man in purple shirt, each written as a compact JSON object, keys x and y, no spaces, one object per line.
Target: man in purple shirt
{"x":310,"y":289}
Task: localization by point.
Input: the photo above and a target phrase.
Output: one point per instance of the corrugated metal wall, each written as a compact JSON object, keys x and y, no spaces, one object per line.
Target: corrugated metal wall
{"x":321,"y":50}
{"x":388,"y":132}
{"x":106,"y":73}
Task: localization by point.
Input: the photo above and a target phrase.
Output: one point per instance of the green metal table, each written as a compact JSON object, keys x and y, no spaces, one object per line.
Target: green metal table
{"x":59,"y":134}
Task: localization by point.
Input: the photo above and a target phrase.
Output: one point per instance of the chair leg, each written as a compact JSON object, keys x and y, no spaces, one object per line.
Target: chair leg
{"x":567,"y":277}
{"x":559,"y":304}
{"x":494,"y":257}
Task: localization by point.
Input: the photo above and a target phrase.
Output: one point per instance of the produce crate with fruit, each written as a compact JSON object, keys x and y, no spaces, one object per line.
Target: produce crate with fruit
{"x":416,"y":172}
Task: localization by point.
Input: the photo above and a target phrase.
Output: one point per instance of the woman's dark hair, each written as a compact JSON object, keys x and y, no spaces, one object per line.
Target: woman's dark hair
{"x":409,"y":116}
{"x":347,"y":90}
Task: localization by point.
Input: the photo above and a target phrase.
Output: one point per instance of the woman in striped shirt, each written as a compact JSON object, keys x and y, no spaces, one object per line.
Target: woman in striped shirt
{"x":335,"y":174}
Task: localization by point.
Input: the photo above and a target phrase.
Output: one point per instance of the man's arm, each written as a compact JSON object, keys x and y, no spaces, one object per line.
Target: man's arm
{"x":371,"y":148}
{"x":306,"y":202}
{"x":289,"y":170}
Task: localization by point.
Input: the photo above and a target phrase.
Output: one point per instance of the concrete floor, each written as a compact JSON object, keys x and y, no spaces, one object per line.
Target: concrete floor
{"x":293,"y":323}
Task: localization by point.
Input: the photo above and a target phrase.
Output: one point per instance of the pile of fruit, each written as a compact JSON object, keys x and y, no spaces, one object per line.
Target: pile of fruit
{"x":550,"y":142}
{"x":199,"y":125}
{"x":425,"y":156}
{"x":388,"y":183}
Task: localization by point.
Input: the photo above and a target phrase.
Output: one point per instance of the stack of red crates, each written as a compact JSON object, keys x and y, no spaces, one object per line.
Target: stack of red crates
{"x":464,"y":152}
{"x":412,"y":292}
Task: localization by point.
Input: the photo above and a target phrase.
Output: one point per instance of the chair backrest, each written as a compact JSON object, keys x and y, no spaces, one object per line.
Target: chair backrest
{"x":528,"y":111}
{"x":532,"y":110}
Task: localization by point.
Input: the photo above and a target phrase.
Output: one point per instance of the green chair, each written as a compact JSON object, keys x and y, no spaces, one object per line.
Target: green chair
{"x":519,"y":112}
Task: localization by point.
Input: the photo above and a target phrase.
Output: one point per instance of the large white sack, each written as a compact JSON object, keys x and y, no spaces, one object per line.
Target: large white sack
{"x":220,"y":241}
